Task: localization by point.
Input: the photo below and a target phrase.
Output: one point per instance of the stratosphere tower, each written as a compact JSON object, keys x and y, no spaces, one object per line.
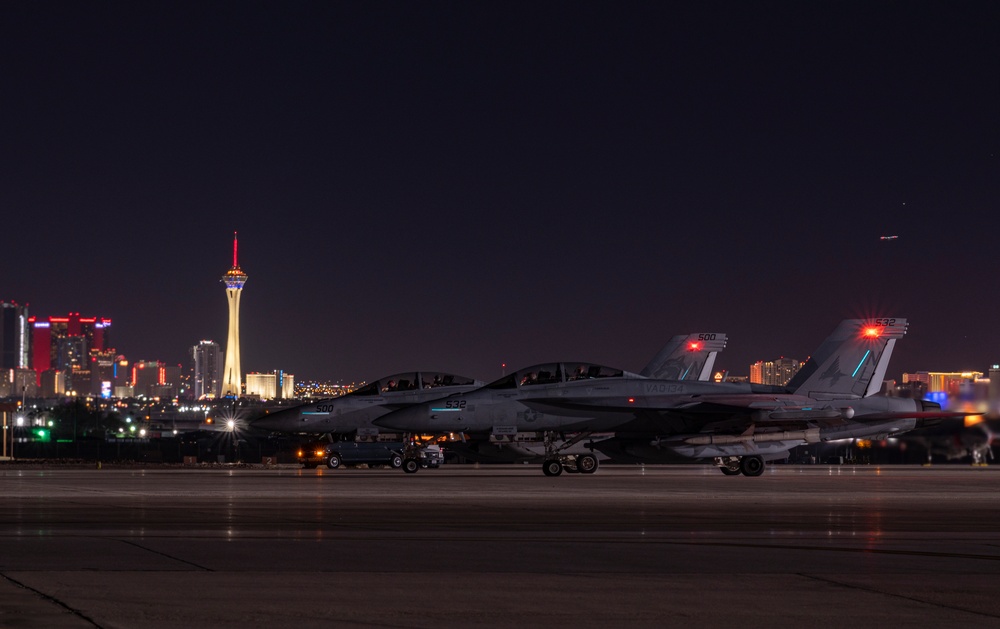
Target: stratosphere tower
{"x":232,"y":381}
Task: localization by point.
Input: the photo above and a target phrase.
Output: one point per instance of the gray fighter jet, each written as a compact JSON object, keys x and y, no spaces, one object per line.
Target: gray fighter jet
{"x":684,"y":357}
{"x":353,"y":413}
{"x":739,"y":426}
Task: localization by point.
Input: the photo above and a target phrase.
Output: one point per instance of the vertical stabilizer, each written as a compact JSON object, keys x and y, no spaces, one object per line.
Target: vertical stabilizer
{"x":852,"y":361}
{"x":686,"y":357}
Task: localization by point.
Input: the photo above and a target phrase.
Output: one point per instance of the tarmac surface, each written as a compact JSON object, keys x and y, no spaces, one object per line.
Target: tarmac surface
{"x":495,"y":546}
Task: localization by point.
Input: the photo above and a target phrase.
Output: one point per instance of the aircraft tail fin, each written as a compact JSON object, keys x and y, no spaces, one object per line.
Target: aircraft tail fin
{"x":686,"y":357}
{"x":852,"y":361}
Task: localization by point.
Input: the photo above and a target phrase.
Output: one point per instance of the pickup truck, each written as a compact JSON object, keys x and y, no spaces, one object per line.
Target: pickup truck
{"x":337,"y":453}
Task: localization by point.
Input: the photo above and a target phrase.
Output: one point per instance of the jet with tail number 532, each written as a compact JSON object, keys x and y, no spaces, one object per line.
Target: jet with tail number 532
{"x":738,"y":425}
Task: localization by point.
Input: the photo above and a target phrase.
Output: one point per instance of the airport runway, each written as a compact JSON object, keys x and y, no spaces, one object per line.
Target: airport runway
{"x":496,"y":546}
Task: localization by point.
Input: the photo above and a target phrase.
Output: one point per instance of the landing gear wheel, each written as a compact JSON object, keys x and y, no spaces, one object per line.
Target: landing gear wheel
{"x":752,"y":466}
{"x":552,"y":467}
{"x":728,"y":471}
{"x":411,"y":466}
{"x":587,"y":463}
{"x":396,"y":462}
{"x":333,"y":462}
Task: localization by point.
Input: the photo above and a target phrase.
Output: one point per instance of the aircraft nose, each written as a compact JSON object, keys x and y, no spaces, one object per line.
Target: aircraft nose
{"x":280,"y":421}
{"x":413,"y":419}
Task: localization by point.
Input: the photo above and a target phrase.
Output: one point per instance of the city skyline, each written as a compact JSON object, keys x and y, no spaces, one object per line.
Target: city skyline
{"x":208,"y":377}
{"x":458,"y":186}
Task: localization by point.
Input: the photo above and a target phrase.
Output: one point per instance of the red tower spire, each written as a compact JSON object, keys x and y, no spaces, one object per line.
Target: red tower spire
{"x":235,"y":265}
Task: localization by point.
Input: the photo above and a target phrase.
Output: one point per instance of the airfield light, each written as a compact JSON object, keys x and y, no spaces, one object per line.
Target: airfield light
{"x":972,"y":420}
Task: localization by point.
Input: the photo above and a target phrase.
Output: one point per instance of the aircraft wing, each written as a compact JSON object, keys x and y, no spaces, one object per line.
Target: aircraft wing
{"x":730,"y":412}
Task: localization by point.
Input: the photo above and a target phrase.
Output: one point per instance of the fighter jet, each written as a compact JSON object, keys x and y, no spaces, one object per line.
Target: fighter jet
{"x":353,"y":413}
{"x":684,"y":357}
{"x":739,"y":426}
{"x":972,"y":438}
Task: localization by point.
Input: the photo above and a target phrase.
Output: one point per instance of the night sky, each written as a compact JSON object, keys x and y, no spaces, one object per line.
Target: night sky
{"x":453,"y":185}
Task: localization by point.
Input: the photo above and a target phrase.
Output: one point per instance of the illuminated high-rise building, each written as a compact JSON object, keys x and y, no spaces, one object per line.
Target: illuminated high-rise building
{"x":269,"y":386}
{"x":53,"y":383}
{"x":234,"y":280}
{"x":13,"y":335}
{"x":262,"y":385}
{"x":65,"y":342}
{"x":103,"y":368}
{"x":147,"y":376}
{"x":285,"y":385}
{"x":206,"y":358}
{"x":774,"y":372}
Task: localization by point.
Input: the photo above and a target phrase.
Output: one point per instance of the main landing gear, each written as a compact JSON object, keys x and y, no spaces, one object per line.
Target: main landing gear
{"x":736,"y":465}
{"x":555,"y":463}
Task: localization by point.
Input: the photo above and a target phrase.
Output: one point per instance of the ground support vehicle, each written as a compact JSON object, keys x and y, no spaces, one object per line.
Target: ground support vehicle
{"x":337,"y":453}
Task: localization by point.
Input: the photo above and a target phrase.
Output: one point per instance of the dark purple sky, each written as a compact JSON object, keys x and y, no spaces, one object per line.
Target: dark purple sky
{"x":452,"y":185}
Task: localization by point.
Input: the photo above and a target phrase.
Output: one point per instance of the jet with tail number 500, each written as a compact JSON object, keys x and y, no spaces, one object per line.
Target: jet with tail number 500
{"x":684,"y":357}
{"x":353,"y":413}
{"x":738,"y":425}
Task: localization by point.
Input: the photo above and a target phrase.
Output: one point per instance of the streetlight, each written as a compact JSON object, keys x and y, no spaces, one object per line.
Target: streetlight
{"x":19,"y":421}
{"x":231,"y":425}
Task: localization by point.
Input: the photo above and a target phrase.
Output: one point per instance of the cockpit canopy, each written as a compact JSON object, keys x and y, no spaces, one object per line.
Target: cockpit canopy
{"x":413,"y":381}
{"x":550,"y":373}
